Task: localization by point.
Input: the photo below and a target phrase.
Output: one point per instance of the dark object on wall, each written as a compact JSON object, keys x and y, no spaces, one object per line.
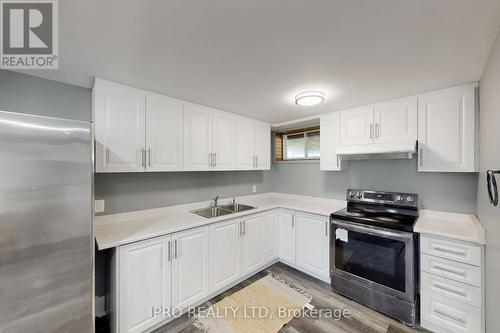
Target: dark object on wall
{"x":492,"y":186}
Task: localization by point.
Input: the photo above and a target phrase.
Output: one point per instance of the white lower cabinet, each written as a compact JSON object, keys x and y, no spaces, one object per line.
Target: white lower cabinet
{"x":252,"y":243}
{"x":271,"y":233}
{"x":144,"y":281}
{"x":452,"y":291}
{"x":184,"y":269}
{"x":190,"y":266}
{"x":313,"y":244}
{"x":225,"y":265}
{"x":286,"y":223}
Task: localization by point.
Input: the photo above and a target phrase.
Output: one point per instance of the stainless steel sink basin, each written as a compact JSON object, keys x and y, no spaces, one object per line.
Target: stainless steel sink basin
{"x":236,"y":207}
{"x":211,"y":212}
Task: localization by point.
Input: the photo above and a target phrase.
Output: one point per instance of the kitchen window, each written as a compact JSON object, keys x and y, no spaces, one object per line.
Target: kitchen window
{"x":297,"y":145}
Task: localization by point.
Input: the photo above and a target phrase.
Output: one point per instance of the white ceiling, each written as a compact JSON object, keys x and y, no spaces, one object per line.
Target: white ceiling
{"x":251,"y":57}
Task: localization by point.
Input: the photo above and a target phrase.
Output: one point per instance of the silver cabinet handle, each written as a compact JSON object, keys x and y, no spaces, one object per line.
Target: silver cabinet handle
{"x":239,"y":229}
{"x":326,"y":228}
{"x":143,"y":152}
{"x":244,"y":227}
{"x":447,"y":315}
{"x":449,"y":270}
{"x":215,"y":159}
{"x":451,"y":251}
{"x":293,"y":221}
{"x":421,"y":157}
{"x":256,"y":161}
{"x":168,"y":250}
{"x":371,"y":131}
{"x":337,"y":161}
{"x":450,"y":289}
{"x":175,"y":249}
{"x":376,"y":130}
{"x":107,"y":155}
{"x":149,"y":157}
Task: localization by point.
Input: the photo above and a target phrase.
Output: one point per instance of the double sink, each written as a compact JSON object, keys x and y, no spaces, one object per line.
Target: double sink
{"x":211,"y":212}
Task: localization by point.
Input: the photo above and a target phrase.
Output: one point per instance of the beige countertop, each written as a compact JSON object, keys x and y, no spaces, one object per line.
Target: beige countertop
{"x":120,"y":229}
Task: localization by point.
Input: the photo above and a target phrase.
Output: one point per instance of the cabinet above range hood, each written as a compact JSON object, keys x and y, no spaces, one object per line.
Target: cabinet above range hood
{"x":396,"y":150}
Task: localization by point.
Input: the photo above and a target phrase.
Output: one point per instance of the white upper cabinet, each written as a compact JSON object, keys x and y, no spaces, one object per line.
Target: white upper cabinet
{"x":447,"y":121}
{"x":145,"y":277}
{"x":190,"y":268}
{"x":197,"y":137}
{"x":329,"y":143}
{"x":223,"y":143}
{"x":395,"y":121}
{"x":262,"y":145}
{"x":164,"y":135}
{"x":356,"y":126}
{"x":245,"y":157}
{"x":119,"y":115}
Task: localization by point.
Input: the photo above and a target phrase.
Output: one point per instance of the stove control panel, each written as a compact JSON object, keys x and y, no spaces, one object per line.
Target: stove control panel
{"x":393,"y":198}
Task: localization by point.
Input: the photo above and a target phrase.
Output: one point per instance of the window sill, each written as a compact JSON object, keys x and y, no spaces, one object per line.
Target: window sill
{"x":298,"y":161}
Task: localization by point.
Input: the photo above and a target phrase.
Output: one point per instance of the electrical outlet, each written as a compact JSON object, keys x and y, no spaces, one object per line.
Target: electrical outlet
{"x":99,"y":206}
{"x":254,"y":188}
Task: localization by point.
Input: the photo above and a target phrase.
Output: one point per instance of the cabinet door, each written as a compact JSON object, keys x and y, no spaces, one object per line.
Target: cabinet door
{"x":262,"y":146}
{"x":197,"y":137}
{"x":313,"y":244}
{"x":244,"y":143}
{"x":356,"y":126}
{"x":396,"y":120}
{"x":164,"y":133}
{"x":224,"y":254}
{"x":223,"y":140}
{"x":329,"y":143}
{"x":287,"y":236}
{"x":190,"y":266}
{"x":119,"y":115}
{"x":447,"y":130}
{"x":145,"y":271}
{"x":271,"y":236}
{"x":252,"y":246}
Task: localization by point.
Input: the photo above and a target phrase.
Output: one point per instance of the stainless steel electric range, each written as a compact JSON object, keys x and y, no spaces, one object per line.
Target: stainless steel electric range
{"x":374,"y":252}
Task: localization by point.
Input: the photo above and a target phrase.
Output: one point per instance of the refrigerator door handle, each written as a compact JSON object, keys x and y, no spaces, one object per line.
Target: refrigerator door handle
{"x":492,"y":186}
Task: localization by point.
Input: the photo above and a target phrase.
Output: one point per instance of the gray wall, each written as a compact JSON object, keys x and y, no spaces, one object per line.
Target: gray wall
{"x":442,"y":191}
{"x":132,"y":191}
{"x":490,"y":159}
{"x":28,"y":94}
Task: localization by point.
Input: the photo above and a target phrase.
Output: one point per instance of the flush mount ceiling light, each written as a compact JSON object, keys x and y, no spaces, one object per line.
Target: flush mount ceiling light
{"x":309,"y":98}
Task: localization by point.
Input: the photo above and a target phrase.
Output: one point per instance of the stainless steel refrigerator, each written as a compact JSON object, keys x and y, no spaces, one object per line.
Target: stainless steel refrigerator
{"x":46,"y":232}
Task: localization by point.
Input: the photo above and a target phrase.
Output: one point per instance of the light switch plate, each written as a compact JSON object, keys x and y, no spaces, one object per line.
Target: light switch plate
{"x":99,"y":206}
{"x":254,"y":188}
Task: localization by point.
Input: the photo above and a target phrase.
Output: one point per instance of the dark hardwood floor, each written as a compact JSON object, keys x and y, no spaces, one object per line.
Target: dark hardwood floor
{"x":361,"y":319}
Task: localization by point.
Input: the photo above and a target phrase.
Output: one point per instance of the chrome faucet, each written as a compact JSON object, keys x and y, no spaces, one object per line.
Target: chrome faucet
{"x":213,"y":203}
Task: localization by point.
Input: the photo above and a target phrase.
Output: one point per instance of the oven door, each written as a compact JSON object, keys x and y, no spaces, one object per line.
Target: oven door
{"x":378,"y":258}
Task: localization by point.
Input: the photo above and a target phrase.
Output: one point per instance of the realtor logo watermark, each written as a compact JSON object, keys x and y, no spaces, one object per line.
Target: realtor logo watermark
{"x":29,"y":36}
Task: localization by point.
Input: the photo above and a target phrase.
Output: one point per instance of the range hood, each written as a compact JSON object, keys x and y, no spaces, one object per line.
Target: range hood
{"x":393,"y":150}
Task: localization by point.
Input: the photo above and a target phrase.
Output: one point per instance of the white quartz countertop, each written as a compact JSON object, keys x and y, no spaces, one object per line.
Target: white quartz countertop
{"x":462,"y":227}
{"x":120,"y":229}
{"x":124,"y":228}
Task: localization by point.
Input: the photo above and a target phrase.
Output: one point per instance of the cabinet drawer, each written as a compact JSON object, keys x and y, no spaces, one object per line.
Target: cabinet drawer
{"x":466,"y":253}
{"x":442,"y":314}
{"x":445,"y":287}
{"x":451,"y":269}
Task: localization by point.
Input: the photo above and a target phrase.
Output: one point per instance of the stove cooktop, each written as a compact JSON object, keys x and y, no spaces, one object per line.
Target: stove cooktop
{"x":388,"y":210}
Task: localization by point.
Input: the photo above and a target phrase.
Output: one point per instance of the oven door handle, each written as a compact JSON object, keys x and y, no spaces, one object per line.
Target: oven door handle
{"x":375,"y":231}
